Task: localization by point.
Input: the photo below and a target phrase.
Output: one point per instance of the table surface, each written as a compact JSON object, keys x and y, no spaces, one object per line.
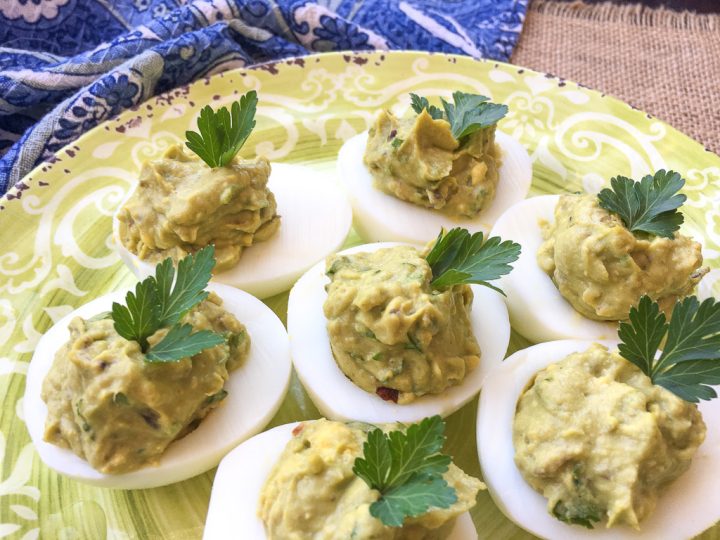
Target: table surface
{"x":673,"y":72}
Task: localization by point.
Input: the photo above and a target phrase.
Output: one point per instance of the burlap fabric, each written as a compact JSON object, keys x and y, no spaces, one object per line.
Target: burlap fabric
{"x":664,"y":62}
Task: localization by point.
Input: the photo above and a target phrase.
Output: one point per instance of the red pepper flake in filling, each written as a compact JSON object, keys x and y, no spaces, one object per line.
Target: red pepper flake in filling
{"x":297,"y":430}
{"x":388,"y":394}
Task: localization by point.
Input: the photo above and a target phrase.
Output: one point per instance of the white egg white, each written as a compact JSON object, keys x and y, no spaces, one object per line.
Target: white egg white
{"x":255,"y":392}
{"x":709,"y":284}
{"x":240,"y":479}
{"x":382,"y":217}
{"x":687,"y":507}
{"x":315,"y":218}
{"x":338,"y":398}
{"x":537,"y":309}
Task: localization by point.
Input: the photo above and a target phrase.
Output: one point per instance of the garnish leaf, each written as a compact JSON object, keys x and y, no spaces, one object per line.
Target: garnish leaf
{"x":694,"y":332}
{"x":413,"y":498}
{"x":470,"y":113}
{"x":224,"y":132}
{"x":193,"y":275}
{"x":406,"y":468}
{"x":377,"y":462}
{"x":419,"y":103}
{"x":416,"y":451}
{"x":690,"y":380}
{"x":642,"y":337}
{"x":160,"y":301}
{"x":459,"y":257}
{"x":467,"y":114}
{"x":139,"y":320}
{"x":649,"y":205}
{"x":690,"y":360}
{"x":180,"y":342}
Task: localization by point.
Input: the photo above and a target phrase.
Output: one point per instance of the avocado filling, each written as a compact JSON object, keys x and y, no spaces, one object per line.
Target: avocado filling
{"x":312,"y":492}
{"x":417,"y":159}
{"x":603,"y":269}
{"x":181,"y":205}
{"x":390,"y":332}
{"x":595,"y":437}
{"x":120,"y":412}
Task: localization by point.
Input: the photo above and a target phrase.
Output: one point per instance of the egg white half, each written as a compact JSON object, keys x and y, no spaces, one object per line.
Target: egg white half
{"x":382,"y":217}
{"x":537,"y":309}
{"x":706,"y":287}
{"x":687,"y":507}
{"x":240,"y":479}
{"x":315,"y":218}
{"x":255,"y":392}
{"x":338,"y":398}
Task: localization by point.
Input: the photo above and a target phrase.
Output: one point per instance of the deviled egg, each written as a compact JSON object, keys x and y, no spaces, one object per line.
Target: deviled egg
{"x":537,"y":310}
{"x":410,"y":176}
{"x":315,"y":219}
{"x":634,"y":437}
{"x":235,"y":501}
{"x":382,"y":324}
{"x":250,"y":397}
{"x":268,"y":222}
{"x":587,"y":259}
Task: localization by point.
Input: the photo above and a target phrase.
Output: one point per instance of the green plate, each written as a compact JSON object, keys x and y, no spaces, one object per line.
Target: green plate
{"x":57,"y":251}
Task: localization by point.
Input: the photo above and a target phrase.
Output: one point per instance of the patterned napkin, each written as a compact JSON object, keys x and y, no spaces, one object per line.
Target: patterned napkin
{"x":67,"y":65}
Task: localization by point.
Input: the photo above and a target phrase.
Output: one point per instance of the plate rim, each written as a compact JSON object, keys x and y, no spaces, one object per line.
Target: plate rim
{"x":27,"y":182}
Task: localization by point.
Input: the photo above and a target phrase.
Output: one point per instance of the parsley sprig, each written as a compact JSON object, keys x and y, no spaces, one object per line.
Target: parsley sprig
{"x":419,"y":103}
{"x":224,"y":132}
{"x":467,"y":114}
{"x":649,"y":205}
{"x":459,"y":257}
{"x":689,"y":362}
{"x":406,"y":468}
{"x":160,"y":301}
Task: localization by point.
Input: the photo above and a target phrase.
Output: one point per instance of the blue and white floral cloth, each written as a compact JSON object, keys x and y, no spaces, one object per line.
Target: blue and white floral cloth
{"x":67,"y":65}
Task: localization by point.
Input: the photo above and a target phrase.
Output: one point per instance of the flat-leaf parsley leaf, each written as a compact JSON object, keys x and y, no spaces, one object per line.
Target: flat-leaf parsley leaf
{"x":224,"y":132}
{"x":139,"y":319}
{"x":649,"y":205}
{"x":471,"y":112}
{"x":459,"y":257}
{"x":181,"y":342}
{"x":160,"y":301}
{"x":406,"y":468}
{"x":690,"y":359}
{"x":419,"y":103}
{"x":467,"y":113}
{"x":193,"y":275}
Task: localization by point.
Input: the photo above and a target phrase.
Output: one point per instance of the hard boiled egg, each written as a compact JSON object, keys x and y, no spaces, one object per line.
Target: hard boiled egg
{"x":379,"y":216}
{"x":537,"y":309}
{"x":240,"y":479}
{"x":315,"y":218}
{"x":255,"y":391}
{"x":687,"y":507}
{"x":338,"y":398}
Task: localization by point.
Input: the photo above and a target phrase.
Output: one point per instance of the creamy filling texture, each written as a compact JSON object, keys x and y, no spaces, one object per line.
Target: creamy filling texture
{"x":312,"y":492}
{"x":603,"y":269}
{"x":600,"y":441}
{"x":417,"y":159}
{"x":390,"y":332}
{"x":181,"y":205}
{"x":119,"y":412}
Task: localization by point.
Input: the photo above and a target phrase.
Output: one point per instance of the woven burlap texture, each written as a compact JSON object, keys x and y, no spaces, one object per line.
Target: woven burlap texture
{"x":664,"y":62}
